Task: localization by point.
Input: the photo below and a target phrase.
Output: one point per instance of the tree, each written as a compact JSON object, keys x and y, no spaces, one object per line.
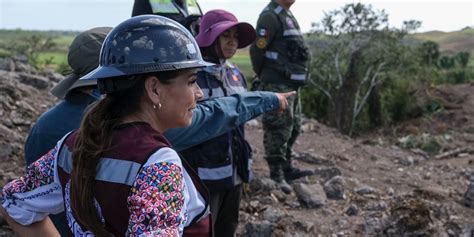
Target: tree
{"x":446,"y":62}
{"x":356,"y":48}
{"x":31,"y":46}
{"x":462,"y":58}
{"x":429,"y":52}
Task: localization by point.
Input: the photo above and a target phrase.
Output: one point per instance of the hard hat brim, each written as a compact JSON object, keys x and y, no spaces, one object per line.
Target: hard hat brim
{"x":103,"y":72}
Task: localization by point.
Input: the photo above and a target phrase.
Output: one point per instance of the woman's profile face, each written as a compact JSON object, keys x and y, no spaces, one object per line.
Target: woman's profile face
{"x":178,"y":99}
{"x":229,"y":41}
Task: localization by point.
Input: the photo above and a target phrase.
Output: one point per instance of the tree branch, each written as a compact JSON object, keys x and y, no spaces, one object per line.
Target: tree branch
{"x":366,"y":78}
{"x":373,"y":82}
{"x":338,"y":70}
{"x":324,"y":91}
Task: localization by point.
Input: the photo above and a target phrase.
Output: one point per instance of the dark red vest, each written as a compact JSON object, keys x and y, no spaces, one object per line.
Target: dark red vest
{"x":133,"y":142}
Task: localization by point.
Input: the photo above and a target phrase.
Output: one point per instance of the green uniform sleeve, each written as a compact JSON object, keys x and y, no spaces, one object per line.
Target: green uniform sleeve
{"x":267,"y":29}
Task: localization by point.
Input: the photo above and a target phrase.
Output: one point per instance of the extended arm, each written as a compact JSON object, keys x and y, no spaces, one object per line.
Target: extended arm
{"x":217,"y":116}
{"x":41,"y":228}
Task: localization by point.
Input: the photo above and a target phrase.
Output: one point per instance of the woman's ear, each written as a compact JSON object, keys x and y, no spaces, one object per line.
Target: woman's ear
{"x":152,"y":85}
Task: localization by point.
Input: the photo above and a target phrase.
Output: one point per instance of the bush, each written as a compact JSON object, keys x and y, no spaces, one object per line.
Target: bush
{"x":397,"y":99}
{"x":431,"y":144}
{"x":5,"y":53}
{"x":314,"y":103}
{"x":457,"y":76}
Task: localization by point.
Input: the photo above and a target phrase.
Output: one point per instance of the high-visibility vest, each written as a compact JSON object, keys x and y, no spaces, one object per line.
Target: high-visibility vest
{"x":224,"y":161}
{"x":168,"y":7}
{"x":286,"y":55}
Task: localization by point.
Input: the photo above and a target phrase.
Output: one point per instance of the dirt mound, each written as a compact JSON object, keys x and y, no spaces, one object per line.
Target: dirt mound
{"x":361,"y":187}
{"x":24,"y":95}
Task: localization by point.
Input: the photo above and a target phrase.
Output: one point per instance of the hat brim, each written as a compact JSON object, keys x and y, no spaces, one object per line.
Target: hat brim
{"x":102,"y":72}
{"x":246,"y":33}
{"x":69,"y":83}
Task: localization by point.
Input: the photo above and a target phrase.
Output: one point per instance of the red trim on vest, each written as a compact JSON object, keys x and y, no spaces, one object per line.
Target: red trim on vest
{"x":202,"y":228}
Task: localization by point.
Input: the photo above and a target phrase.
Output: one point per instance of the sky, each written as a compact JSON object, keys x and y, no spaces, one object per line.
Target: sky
{"x":79,"y":15}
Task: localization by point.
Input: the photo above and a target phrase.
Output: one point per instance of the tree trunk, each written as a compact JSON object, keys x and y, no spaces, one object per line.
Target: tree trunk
{"x":341,"y":115}
{"x":375,"y":107}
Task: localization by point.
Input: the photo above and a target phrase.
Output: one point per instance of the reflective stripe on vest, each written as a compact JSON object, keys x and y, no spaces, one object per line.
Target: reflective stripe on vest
{"x":278,"y":9}
{"x":163,"y":6}
{"x":108,"y":170}
{"x":193,"y":8}
{"x":298,"y":77}
{"x":215,"y":173}
{"x":291,"y":32}
{"x":271,"y":55}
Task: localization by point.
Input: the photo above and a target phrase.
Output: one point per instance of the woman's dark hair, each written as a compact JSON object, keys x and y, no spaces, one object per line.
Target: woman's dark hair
{"x":93,"y":140}
{"x":213,"y":52}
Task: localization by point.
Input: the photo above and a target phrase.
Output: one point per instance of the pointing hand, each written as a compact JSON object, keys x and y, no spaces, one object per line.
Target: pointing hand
{"x":283,"y":99}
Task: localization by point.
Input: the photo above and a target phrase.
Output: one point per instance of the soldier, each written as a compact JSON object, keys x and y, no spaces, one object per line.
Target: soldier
{"x":281,"y":60}
{"x":186,"y":12}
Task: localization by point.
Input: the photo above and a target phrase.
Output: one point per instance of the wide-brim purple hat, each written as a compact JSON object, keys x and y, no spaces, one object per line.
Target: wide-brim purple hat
{"x":214,"y":22}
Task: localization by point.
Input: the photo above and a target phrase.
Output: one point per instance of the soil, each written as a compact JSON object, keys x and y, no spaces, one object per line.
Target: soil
{"x":376,"y":160}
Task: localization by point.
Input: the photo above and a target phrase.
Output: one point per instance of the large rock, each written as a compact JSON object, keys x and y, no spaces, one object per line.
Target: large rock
{"x":262,"y":184}
{"x":21,"y":66}
{"x":7,"y":64}
{"x":53,"y":76}
{"x":469,"y":196}
{"x":38,"y":82}
{"x":352,"y":210}
{"x":410,"y":216}
{"x":259,"y":229}
{"x":310,"y":196}
{"x":363,"y":190}
{"x":334,"y":188}
{"x":327,"y":173}
{"x":272,"y":214}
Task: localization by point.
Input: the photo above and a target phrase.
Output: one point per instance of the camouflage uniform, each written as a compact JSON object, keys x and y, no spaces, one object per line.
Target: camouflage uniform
{"x":281,"y":59}
{"x":281,"y":129}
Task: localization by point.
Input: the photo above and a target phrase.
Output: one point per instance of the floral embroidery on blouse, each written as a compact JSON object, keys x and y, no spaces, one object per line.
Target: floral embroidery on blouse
{"x":156,"y":201}
{"x":39,"y":173}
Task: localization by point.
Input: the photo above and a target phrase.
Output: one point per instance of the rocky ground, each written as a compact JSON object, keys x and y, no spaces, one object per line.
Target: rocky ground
{"x":381,"y":184}
{"x":388,"y":183}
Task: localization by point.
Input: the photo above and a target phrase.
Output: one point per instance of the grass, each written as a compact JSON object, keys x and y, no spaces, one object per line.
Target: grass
{"x":58,"y":57}
{"x":64,"y":40}
{"x":450,"y":43}
{"x":242,"y":60}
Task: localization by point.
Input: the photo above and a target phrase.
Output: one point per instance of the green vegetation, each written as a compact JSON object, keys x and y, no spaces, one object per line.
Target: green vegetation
{"x":450,"y":42}
{"x":389,"y":68}
{"x":366,"y":74}
{"x":56,"y":58}
{"x":43,"y":49}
